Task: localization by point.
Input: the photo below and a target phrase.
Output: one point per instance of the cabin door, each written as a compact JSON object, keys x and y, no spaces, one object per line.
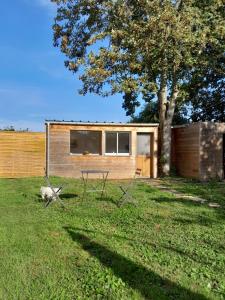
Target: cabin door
{"x":143,"y":158}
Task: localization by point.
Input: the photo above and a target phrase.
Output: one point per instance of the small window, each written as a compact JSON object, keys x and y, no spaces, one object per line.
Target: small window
{"x":118,"y":143}
{"x":143,"y":144}
{"x":85,"y":142}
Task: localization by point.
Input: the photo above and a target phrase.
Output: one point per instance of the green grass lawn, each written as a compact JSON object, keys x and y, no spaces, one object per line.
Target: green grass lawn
{"x":165,"y":248}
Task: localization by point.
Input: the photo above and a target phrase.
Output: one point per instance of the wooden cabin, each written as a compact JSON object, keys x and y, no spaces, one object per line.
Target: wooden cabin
{"x":119,"y":148}
{"x":198,"y":150}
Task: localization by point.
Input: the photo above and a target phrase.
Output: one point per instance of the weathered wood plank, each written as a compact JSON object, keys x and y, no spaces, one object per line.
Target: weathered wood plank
{"x":22,"y":154}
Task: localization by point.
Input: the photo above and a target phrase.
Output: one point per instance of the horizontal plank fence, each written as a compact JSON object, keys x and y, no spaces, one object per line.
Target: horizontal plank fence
{"x":22,"y":154}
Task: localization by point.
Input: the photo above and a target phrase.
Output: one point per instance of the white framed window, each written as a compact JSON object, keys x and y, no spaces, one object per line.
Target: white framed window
{"x":117,"y":143}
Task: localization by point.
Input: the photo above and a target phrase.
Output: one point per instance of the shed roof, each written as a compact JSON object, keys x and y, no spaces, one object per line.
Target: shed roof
{"x":63,"y":122}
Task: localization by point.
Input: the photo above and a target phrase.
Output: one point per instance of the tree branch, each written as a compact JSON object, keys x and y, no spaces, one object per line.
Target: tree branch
{"x":178,"y":4}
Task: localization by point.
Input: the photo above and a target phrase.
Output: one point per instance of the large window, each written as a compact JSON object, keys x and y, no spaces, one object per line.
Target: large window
{"x":85,"y":142}
{"x":117,"y":143}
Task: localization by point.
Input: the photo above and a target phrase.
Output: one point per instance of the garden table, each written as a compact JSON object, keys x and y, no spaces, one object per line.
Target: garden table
{"x":90,"y":188}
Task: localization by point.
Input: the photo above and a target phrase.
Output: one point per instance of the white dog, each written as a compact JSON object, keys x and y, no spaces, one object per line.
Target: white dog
{"x":47,"y":193}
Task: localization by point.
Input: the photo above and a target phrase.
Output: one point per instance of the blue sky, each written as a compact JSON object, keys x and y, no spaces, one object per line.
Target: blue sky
{"x":34,"y":84}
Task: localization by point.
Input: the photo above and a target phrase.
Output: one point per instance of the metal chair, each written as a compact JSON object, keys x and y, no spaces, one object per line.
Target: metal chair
{"x":126,"y":196}
{"x":55,"y":193}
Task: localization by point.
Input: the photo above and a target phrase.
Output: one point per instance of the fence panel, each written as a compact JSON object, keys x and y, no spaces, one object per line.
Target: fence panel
{"x":22,"y":154}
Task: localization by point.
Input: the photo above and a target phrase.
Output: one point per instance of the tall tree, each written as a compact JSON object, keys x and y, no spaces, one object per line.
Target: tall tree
{"x":146,"y":48}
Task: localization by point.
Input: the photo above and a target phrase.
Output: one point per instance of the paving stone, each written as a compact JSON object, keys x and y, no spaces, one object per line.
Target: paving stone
{"x":214,"y":205}
{"x":195,"y":199}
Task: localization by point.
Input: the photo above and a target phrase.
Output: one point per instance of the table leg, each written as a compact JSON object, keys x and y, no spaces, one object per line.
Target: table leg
{"x":85,"y":180}
{"x":104,"y":178}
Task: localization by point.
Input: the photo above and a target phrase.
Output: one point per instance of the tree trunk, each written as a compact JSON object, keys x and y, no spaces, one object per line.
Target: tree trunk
{"x":166,"y":149}
{"x":166,"y":118}
{"x":162,"y":99}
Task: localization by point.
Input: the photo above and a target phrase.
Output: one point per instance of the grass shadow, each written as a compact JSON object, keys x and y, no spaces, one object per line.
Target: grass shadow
{"x":198,"y":220}
{"x":38,"y":198}
{"x":176,"y":251}
{"x":107,"y":199}
{"x":68,"y":195}
{"x":147,"y":282}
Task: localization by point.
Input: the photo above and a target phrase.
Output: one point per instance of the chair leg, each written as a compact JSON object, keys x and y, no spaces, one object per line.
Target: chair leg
{"x":127,"y":198}
{"x":57,"y":198}
{"x":48,"y":202}
{"x":121,"y":201}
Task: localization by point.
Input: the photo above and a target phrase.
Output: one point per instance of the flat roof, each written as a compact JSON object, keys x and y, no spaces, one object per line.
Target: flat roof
{"x":100,"y":123}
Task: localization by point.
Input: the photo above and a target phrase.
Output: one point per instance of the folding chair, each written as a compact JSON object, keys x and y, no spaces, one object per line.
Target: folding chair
{"x":126,"y":196}
{"x":55,"y":193}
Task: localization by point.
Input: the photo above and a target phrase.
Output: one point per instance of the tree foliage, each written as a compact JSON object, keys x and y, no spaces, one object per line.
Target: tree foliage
{"x":150,"y":114}
{"x":207,"y":90}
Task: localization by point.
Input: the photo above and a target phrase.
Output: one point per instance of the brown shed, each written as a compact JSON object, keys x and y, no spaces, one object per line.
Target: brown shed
{"x":117,"y":147}
{"x":198,"y":150}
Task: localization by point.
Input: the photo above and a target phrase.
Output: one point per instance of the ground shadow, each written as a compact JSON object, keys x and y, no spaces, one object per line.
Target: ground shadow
{"x":68,"y":195}
{"x":63,"y":196}
{"x":108,"y":199}
{"x":38,"y":198}
{"x":200,"y":220}
{"x":176,"y":251}
{"x":147,"y":282}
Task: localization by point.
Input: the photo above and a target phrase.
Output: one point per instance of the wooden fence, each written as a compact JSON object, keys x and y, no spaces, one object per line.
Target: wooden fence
{"x":186,"y":150}
{"x":22,"y":154}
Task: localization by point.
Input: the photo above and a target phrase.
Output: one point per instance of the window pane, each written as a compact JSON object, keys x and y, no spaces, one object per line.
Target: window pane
{"x":143,"y":143}
{"x":111,"y":142}
{"x":124,"y":142}
{"x":84,"y":142}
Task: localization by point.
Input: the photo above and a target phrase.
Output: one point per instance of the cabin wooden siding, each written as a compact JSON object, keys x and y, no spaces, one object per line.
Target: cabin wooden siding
{"x":197,"y":150}
{"x":186,"y":150}
{"x":62,"y":163}
{"x":211,"y":150}
{"x":22,"y":154}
